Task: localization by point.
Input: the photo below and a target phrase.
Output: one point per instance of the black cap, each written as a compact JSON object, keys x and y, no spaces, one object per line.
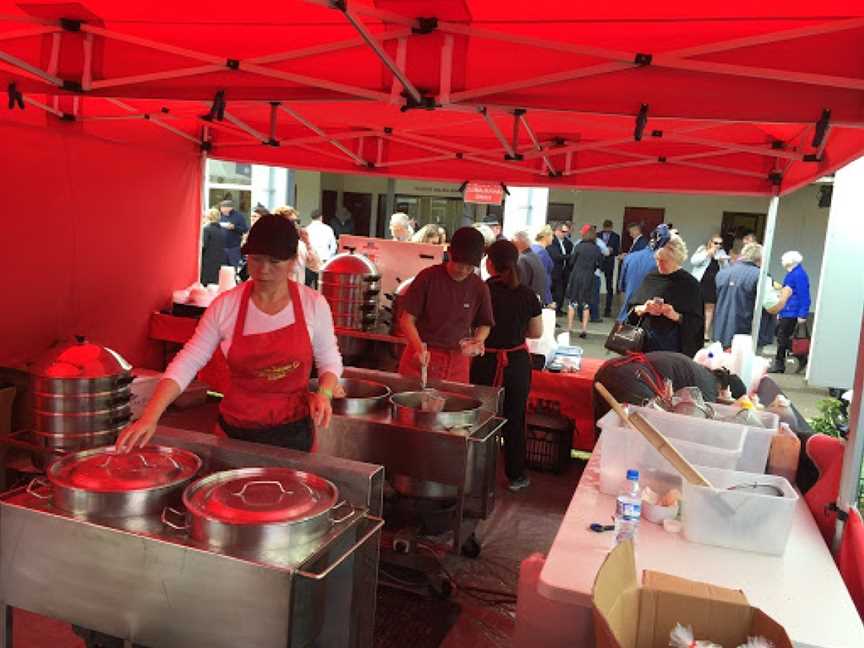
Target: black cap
{"x":467,"y":246}
{"x":273,"y":236}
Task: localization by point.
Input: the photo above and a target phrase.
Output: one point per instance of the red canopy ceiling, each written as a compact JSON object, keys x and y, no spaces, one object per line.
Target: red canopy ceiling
{"x":741,"y":98}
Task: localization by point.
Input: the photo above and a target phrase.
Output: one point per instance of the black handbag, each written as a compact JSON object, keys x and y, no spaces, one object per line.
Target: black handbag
{"x":626,"y":338}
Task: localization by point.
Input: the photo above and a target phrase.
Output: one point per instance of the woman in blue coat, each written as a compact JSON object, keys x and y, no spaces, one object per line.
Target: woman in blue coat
{"x":797,"y":309}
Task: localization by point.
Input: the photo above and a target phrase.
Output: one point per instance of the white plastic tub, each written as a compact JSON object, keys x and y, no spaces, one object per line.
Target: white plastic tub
{"x":702,"y":442}
{"x":737,"y":519}
{"x":757,"y":444}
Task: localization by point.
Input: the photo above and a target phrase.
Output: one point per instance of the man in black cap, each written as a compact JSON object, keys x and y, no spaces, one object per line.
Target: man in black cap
{"x":235,"y":225}
{"x":448,"y":313}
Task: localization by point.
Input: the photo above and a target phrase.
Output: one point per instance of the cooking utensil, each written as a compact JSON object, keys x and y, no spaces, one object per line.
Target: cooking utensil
{"x":261,"y":508}
{"x":361,"y":396}
{"x":104,"y":483}
{"x":655,"y":438}
{"x":456,"y":410}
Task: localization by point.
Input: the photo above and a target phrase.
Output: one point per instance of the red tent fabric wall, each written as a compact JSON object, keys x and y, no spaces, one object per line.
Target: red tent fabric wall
{"x":96,"y":235}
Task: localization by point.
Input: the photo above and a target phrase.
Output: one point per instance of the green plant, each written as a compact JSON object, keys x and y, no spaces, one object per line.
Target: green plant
{"x":830,"y":417}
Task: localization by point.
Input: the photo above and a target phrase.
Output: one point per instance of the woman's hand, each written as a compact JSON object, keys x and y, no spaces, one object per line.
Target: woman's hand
{"x":652,"y":307}
{"x":667,"y":311}
{"x":320,"y":410}
{"x":136,"y":435}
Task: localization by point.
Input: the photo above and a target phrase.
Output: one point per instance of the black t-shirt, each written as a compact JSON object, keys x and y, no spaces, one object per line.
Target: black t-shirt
{"x":513,"y":309}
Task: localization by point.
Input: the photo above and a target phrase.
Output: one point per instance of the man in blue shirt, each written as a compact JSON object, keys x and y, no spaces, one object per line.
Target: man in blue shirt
{"x":736,"y":295}
{"x":235,"y":225}
{"x":636,"y":266}
{"x":796,"y":310}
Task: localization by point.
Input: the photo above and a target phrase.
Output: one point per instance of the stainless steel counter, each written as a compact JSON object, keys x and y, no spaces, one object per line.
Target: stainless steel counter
{"x":138,"y":580}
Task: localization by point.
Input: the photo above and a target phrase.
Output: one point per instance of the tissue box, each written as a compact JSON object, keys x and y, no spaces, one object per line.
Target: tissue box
{"x":630,"y":615}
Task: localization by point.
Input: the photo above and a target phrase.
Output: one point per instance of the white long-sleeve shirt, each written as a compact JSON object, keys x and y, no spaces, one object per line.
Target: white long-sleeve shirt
{"x":322,"y":239}
{"x":216,"y":329}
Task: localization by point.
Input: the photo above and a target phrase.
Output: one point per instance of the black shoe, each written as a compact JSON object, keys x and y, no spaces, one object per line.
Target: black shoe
{"x":583,"y":335}
{"x":802,"y":364}
{"x":777,"y":367}
{"x":607,"y":313}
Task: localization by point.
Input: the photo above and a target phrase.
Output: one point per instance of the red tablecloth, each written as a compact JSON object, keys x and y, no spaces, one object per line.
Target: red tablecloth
{"x":571,"y":394}
{"x":568,"y":393}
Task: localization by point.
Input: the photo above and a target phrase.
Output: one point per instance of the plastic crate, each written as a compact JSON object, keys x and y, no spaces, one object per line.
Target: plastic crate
{"x":702,"y":442}
{"x":548,"y":442}
{"x":737,"y":519}
{"x":757,"y":444}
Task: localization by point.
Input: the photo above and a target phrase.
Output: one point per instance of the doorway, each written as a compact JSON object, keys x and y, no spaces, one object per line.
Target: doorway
{"x":647,"y":217}
{"x":736,"y":224}
{"x":328,"y":205}
{"x":360,"y":207}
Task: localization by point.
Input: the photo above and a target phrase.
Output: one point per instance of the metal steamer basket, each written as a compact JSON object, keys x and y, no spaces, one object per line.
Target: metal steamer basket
{"x":134,"y":577}
{"x":356,"y":397}
{"x":81,"y":394}
{"x":351,"y":284}
{"x":261,"y":509}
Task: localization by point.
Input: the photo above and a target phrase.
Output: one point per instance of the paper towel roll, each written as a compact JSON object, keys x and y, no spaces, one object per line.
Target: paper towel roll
{"x":227,"y":279}
{"x":742,"y":357}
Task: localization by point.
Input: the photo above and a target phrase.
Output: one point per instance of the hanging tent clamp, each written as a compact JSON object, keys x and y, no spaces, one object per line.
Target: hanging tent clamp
{"x":641,"y":121}
{"x":217,"y":110}
{"x":15,"y":96}
{"x":775,"y":178}
{"x":820,"y":136}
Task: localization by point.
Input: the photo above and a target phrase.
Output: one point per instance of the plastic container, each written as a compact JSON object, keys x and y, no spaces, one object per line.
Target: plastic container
{"x":702,"y":442}
{"x":757,"y":444}
{"x":547,"y":442}
{"x":736,"y":519}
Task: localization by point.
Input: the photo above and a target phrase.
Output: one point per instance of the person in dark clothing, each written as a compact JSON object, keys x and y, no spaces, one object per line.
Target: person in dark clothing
{"x":506,"y":361}
{"x":213,"y":254}
{"x":235,"y":225}
{"x":625,"y":378}
{"x":639,"y":241}
{"x":531,"y":270}
{"x":585,"y":260}
{"x":560,"y":250}
{"x":669,"y":302}
{"x":613,"y":242}
{"x":342,"y":223}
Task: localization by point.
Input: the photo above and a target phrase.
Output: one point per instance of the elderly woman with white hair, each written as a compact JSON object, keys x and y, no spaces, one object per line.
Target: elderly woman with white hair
{"x":400,"y":227}
{"x":669,"y":302}
{"x":796,"y":310}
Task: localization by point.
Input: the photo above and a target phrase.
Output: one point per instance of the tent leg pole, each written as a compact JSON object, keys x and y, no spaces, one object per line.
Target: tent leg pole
{"x":770,"y":225}
{"x":854,"y":453}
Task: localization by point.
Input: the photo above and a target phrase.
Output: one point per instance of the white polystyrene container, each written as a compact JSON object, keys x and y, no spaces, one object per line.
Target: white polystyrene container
{"x":738,"y":520}
{"x":757,"y":444}
{"x":702,"y":442}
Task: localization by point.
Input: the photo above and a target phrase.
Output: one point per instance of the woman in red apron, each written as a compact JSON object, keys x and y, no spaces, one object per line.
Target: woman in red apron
{"x":264,"y":328}
{"x":507,"y":363}
{"x":445,"y":304}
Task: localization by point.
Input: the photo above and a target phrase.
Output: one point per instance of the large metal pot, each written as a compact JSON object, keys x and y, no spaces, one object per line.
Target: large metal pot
{"x":103,"y":483}
{"x":261,"y":509}
{"x":66,"y":443}
{"x":357,"y":397}
{"x":78,"y":367}
{"x":458,"y":411}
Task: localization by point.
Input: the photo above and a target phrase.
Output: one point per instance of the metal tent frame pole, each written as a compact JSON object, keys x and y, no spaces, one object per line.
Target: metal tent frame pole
{"x":768,"y":243}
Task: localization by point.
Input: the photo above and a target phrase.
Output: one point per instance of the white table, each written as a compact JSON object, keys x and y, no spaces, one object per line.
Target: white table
{"x":802,"y":589}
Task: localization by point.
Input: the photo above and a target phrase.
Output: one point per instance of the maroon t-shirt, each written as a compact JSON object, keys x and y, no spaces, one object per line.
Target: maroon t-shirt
{"x":446,"y":310}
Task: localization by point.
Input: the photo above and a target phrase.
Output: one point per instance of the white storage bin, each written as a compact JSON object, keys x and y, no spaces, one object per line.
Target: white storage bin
{"x":702,"y":442}
{"x":757,"y":444}
{"x":738,"y":519}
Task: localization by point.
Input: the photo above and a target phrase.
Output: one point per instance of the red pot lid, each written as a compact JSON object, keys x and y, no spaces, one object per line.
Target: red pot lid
{"x":106,"y":471}
{"x":261,"y":495}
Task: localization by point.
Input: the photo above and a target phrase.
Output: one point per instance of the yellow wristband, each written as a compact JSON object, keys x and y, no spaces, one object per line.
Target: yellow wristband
{"x":326,"y":392}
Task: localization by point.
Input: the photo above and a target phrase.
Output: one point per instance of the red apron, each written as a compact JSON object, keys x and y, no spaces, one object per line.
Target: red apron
{"x":502,"y":361}
{"x":444,"y":364}
{"x":269,"y":371}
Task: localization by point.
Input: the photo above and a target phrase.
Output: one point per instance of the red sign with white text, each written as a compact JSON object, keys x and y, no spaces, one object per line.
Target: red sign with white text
{"x":484,"y":193}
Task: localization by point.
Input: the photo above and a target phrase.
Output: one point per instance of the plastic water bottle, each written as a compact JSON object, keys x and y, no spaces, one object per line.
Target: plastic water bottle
{"x":628,"y":509}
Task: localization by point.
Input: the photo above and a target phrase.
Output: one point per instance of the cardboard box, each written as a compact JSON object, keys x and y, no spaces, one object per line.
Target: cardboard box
{"x":627,"y":615}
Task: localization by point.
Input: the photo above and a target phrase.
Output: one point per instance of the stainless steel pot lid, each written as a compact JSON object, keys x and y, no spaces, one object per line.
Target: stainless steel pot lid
{"x":260,"y":495}
{"x":105,"y":470}
{"x":79,"y":358}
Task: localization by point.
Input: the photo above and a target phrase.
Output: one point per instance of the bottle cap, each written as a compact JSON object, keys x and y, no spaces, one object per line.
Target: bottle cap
{"x":633,"y":475}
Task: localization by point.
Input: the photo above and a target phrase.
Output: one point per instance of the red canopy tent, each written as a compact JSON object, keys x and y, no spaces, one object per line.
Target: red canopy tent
{"x":668,"y":96}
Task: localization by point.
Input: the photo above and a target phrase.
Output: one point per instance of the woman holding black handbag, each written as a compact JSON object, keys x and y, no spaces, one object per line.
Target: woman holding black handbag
{"x":668,"y":305}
